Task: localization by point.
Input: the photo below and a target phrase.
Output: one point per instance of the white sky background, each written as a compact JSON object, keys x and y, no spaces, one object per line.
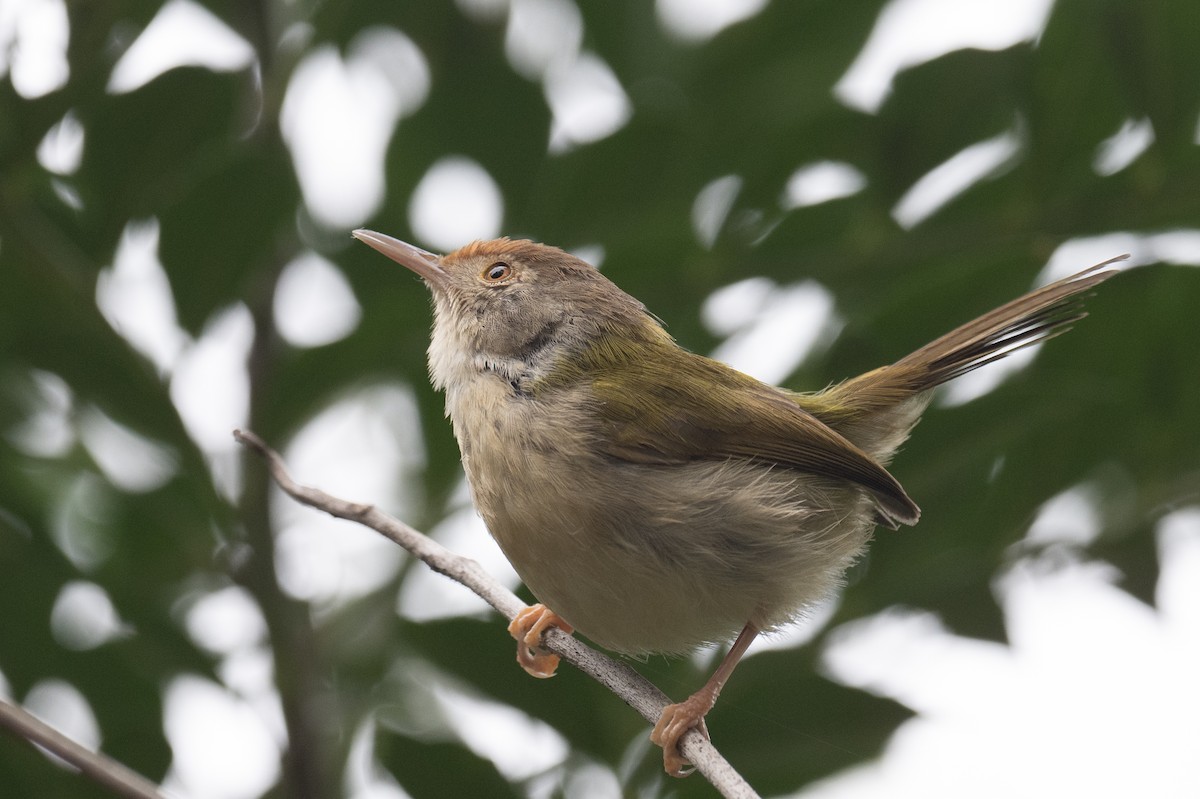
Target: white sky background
{"x":1097,"y":694}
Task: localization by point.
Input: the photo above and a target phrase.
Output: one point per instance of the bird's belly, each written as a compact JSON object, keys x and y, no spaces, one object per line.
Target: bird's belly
{"x":648,"y":558}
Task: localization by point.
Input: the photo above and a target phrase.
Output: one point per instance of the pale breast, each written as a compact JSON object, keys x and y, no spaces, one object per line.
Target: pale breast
{"x":644,"y":558}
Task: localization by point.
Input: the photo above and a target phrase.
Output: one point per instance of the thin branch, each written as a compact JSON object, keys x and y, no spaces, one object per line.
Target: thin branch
{"x":638,"y":692}
{"x":99,"y":767}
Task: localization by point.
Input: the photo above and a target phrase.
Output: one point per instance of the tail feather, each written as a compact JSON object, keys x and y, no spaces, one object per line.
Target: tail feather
{"x":877,"y":410}
{"x":1038,"y":316}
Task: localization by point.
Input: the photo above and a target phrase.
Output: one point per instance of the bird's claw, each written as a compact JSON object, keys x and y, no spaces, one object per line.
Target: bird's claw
{"x":672,"y":725}
{"x":528,"y":627}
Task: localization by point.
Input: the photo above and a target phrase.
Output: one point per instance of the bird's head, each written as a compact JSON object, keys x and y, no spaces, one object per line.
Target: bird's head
{"x":516,"y":301}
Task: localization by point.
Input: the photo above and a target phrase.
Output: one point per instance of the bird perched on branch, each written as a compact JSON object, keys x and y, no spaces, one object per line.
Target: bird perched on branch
{"x":657,"y":500}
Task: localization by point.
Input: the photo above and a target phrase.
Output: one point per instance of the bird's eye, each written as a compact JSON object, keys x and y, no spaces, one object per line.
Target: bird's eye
{"x":497,"y":272}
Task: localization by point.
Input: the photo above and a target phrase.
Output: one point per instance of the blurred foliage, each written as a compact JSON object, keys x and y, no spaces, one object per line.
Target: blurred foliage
{"x":1113,"y":403}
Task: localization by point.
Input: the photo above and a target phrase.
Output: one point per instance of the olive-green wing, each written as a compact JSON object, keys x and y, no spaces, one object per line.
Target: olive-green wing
{"x":701,"y":409}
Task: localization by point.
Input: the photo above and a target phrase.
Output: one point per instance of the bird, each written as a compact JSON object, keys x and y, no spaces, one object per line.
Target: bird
{"x":656,"y":500}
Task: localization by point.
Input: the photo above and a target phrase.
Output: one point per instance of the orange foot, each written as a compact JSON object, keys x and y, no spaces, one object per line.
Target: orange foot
{"x":527,"y":628}
{"x":675,"y":721}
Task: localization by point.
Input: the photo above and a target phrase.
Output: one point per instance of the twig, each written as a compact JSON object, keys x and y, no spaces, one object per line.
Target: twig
{"x":96,"y":765}
{"x":637,"y":692}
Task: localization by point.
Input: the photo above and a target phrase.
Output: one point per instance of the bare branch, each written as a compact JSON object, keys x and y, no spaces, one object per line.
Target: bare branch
{"x":96,"y":765}
{"x":637,"y":692}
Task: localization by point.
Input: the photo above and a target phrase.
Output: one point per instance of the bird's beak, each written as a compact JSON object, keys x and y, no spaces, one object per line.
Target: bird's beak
{"x":425,"y":264}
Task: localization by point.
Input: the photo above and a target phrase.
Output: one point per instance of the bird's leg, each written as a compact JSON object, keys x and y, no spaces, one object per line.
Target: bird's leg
{"x":677,"y":719}
{"x":527,"y":628}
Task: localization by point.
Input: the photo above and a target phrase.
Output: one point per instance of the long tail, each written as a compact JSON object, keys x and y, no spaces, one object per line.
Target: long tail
{"x":878,"y":409}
